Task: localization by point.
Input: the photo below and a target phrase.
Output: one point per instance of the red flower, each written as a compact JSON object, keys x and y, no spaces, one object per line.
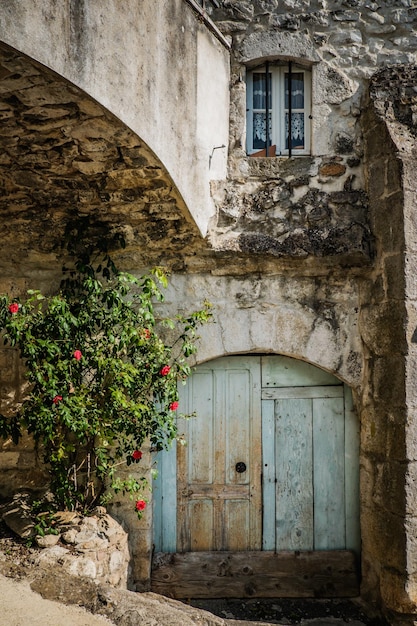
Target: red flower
{"x":140,"y":505}
{"x":57,"y":399}
{"x":137,"y":455}
{"x":77,"y":355}
{"x":165,"y":370}
{"x":146,"y":333}
{"x":174,"y":406}
{"x":13,"y":307}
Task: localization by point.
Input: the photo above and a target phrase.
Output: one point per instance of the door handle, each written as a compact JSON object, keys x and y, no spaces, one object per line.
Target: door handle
{"x":240,"y":467}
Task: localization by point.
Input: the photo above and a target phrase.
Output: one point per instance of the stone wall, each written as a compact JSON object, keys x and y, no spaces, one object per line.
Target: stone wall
{"x":388,"y":327}
{"x":384,"y":411}
{"x":352,"y":200}
{"x":314,"y":319}
{"x":318,"y":206}
{"x":67,"y":163}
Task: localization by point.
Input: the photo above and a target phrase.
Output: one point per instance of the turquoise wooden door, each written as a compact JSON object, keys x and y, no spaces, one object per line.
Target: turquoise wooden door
{"x":219,"y":496}
{"x":216,"y":503}
{"x":310,"y":444}
{"x":299,"y":486}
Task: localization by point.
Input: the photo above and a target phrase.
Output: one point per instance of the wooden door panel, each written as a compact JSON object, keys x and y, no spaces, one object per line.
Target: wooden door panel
{"x":198,"y":430}
{"x":294,"y":466}
{"x":283,"y":371}
{"x":312,"y":468}
{"x":202,"y":514}
{"x":329,"y":474}
{"x":237,"y":428}
{"x":226,"y":432}
{"x":237,"y":515}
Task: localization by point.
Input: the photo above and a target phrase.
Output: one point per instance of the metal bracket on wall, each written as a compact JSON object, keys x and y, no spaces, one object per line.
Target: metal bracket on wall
{"x":212,"y":152}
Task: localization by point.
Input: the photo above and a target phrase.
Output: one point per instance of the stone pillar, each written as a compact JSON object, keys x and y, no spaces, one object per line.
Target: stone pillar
{"x":388,"y":319}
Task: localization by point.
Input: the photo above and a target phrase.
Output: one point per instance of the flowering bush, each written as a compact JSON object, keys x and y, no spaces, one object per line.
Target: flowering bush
{"x":102,"y":379}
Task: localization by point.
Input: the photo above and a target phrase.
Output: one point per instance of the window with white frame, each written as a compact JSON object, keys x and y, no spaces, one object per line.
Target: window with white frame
{"x":277,"y":124}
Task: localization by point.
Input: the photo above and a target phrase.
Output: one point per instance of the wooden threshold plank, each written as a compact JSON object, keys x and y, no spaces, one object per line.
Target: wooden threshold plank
{"x":318,"y":574}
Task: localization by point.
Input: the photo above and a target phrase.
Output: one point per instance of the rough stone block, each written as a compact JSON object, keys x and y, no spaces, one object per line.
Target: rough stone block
{"x":382,"y":328}
{"x":388,"y":222}
{"x":395,"y":591}
{"x":9,"y":460}
{"x":17,"y":515}
{"x":83,"y":567}
{"x":142,"y":541}
{"x":389,"y":486}
{"x":411,"y":501}
{"x":383,"y":433}
{"x":92,"y":556}
{"x":388,"y":381}
{"x":383,"y":536}
{"x":332,"y":169}
{"x":410,"y":380}
{"x":9,"y":368}
{"x":141,"y":572}
{"x":47,"y":541}
{"x":27,"y":460}
{"x":394,"y":277}
{"x":70,"y":536}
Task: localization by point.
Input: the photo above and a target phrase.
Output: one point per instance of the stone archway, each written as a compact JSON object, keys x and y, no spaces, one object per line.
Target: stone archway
{"x":65,"y":159}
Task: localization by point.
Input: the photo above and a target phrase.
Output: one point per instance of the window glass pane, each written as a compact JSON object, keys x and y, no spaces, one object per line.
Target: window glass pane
{"x":297,"y":130}
{"x":259,"y":130}
{"x":297,"y":90}
{"x":259,"y":90}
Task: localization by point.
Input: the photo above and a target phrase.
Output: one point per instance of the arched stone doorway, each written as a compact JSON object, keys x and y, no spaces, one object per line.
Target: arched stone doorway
{"x":270,"y":465}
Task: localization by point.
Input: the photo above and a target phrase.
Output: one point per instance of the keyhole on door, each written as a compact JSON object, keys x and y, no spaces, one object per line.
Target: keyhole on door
{"x":241,"y":467}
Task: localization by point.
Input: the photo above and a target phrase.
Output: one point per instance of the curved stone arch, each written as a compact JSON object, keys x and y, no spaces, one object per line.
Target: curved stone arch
{"x":274,"y":44}
{"x":65,"y":158}
{"x":125,"y":55}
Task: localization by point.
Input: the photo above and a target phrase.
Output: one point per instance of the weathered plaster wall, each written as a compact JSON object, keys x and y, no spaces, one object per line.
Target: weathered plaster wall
{"x":311,"y":319}
{"x":152,"y":68}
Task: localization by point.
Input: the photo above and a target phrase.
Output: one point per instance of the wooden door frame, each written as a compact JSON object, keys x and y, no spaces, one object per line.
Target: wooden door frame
{"x":328,"y":573}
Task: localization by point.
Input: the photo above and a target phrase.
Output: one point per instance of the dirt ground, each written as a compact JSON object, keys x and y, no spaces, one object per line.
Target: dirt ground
{"x":290,"y":611}
{"x":19,"y":605}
